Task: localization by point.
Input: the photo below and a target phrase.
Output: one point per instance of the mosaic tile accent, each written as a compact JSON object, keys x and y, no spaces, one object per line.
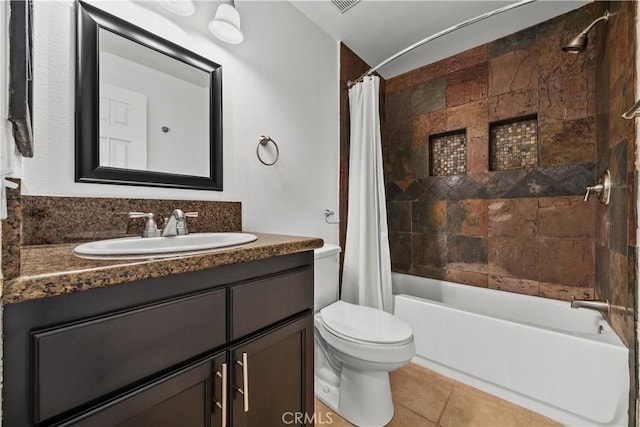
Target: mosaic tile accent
{"x":514,"y":144}
{"x":448,"y":153}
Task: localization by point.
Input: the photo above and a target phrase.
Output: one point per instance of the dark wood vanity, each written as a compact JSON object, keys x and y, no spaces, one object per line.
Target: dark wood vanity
{"x":227,"y":345}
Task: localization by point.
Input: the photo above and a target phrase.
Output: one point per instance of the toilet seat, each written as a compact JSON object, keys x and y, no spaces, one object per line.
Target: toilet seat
{"x":361,"y":324}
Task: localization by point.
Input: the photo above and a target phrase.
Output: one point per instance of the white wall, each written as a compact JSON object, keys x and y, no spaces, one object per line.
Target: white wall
{"x":282,"y":82}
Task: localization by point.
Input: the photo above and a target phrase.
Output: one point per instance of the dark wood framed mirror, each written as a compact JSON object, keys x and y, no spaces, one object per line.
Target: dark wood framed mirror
{"x":148,"y":111}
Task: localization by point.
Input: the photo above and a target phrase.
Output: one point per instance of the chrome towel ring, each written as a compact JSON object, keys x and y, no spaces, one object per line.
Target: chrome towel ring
{"x":263,"y":141}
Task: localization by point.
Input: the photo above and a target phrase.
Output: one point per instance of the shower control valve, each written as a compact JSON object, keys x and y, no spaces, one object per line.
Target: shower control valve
{"x":602,"y":188}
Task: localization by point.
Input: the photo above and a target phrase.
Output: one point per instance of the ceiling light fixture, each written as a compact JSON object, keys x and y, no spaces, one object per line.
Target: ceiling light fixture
{"x":225,"y":25}
{"x":179,"y":7}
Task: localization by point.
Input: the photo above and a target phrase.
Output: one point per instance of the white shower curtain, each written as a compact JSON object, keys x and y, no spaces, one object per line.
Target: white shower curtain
{"x":366,"y":277}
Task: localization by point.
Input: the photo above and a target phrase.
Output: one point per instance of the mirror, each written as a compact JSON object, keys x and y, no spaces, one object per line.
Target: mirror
{"x":148,"y":112}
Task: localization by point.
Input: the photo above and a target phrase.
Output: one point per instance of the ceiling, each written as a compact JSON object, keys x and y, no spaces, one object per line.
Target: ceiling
{"x":377,"y":29}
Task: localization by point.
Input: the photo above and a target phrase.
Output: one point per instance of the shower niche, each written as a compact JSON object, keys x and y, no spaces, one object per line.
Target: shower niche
{"x":513,"y":144}
{"x":448,"y":153}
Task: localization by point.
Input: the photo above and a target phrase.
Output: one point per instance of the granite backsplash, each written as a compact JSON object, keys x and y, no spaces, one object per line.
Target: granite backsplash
{"x":45,"y":220}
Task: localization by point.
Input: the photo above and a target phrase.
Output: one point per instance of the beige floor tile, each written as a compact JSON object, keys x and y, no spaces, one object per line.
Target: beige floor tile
{"x":420,"y":390}
{"x":423,"y":398}
{"x":404,"y":417}
{"x":542,"y":421}
{"x":325,"y":417}
{"x":471,"y":407}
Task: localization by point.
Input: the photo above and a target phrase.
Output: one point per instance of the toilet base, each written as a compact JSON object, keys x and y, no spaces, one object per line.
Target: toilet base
{"x":363,"y":398}
{"x":327,"y":394}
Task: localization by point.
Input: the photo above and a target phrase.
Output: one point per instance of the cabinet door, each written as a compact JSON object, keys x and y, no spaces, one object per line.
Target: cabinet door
{"x":272,"y":376}
{"x":184,"y":398}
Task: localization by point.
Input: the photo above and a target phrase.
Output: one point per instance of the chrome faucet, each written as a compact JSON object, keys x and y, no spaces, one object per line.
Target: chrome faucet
{"x":602,"y":306}
{"x":176,"y":224}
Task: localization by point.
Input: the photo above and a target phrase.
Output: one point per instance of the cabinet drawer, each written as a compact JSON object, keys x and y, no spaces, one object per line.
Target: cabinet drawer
{"x":179,"y":399}
{"x":77,"y":363}
{"x":258,"y":304}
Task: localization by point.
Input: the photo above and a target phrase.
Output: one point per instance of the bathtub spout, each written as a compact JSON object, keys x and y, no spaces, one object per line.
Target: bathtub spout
{"x":602,"y":306}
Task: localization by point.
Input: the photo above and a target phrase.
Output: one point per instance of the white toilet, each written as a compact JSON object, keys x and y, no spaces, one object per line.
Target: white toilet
{"x":355,"y":348}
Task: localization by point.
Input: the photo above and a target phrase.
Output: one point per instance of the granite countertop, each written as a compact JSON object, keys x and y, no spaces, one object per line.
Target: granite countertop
{"x":51,"y":270}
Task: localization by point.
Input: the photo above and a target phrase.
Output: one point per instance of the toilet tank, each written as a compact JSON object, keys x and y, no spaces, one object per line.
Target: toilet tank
{"x":325,"y":275}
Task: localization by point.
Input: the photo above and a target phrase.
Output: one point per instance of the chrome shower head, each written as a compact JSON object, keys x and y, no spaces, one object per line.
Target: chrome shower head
{"x":579,"y":43}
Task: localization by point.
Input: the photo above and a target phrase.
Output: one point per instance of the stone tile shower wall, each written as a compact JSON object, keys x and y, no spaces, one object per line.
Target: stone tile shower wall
{"x":616,"y":224}
{"x":523,"y":229}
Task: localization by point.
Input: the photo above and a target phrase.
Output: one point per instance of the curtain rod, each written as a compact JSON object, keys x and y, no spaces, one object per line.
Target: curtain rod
{"x":440,"y":34}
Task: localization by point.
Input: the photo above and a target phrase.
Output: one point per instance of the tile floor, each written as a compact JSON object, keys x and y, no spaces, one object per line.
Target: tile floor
{"x":424,"y":398}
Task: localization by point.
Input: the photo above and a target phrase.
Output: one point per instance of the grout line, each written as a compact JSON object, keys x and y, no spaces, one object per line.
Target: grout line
{"x":444,"y":408}
{"x":417,"y":413}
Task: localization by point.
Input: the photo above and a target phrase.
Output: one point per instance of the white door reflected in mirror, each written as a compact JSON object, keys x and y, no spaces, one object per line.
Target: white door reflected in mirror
{"x":123,"y":128}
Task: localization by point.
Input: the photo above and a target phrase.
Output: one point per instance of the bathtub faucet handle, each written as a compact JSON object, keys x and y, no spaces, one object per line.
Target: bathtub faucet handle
{"x":596,"y":188}
{"x":602,"y":188}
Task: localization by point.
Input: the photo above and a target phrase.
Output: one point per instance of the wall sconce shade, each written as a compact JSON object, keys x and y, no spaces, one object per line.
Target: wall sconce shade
{"x":179,"y":7}
{"x":225,"y":25}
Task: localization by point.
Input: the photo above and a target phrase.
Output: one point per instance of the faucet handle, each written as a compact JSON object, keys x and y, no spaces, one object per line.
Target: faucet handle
{"x":182,"y":227}
{"x":150,"y":228}
{"x":602,"y":188}
{"x":140,"y":215}
{"x":598,"y":188}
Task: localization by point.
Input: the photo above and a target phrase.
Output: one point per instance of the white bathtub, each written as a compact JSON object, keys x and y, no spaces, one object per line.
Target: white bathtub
{"x":535,"y":352}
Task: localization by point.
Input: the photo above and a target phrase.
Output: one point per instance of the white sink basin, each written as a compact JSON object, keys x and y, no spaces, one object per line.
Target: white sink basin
{"x":136,"y":247}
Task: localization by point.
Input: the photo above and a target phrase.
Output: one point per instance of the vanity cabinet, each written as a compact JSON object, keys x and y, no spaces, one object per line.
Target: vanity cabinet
{"x":230,"y":346}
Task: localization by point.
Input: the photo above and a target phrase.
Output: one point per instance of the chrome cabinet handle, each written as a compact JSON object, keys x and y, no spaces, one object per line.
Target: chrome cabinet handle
{"x":223,"y":405}
{"x":244,"y":391}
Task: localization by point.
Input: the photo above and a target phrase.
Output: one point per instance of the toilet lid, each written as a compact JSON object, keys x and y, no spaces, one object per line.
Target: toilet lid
{"x":367,"y":324}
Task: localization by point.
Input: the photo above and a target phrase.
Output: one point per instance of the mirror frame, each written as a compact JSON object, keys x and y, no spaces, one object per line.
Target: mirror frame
{"x":88,"y":170}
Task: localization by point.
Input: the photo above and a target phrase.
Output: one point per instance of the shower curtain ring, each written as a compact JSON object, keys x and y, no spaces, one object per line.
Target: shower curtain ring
{"x":264,"y":140}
